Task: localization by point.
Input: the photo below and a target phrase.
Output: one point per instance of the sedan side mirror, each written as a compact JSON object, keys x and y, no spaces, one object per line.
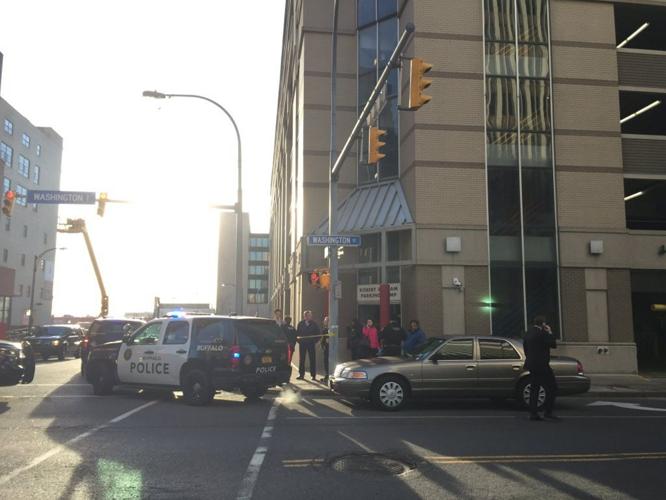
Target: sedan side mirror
{"x":435,"y":359}
{"x":127,"y":337}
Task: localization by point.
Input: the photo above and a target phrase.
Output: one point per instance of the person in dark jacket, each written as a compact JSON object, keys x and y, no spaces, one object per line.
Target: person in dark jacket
{"x":391,"y":338}
{"x":308,"y":334}
{"x":415,"y":338}
{"x":354,"y":337}
{"x":290,"y":333}
{"x":538,"y":342}
{"x":324,"y":347}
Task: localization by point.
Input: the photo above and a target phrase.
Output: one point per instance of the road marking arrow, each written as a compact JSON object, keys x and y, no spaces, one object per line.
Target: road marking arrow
{"x":628,"y":406}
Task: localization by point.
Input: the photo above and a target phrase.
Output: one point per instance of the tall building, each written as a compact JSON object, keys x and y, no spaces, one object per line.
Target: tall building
{"x":254,"y":287}
{"x":30,"y":158}
{"x":534,"y":182}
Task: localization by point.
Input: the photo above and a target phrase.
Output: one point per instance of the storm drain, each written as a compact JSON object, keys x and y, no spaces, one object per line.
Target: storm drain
{"x":371,"y":463}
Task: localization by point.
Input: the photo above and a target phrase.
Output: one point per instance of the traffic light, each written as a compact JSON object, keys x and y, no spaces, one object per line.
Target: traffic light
{"x":101,"y":204}
{"x":8,"y":202}
{"x":313,"y":278}
{"x":417,"y":84}
{"x":324,"y":280}
{"x":374,"y":144}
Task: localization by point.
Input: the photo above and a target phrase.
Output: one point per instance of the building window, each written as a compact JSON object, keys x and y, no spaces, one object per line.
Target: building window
{"x":371,"y":246}
{"x":9,"y":127}
{"x":23,"y":259}
{"x":21,"y":195}
{"x":23,"y":166}
{"x":521,"y":198}
{"x":645,"y":202}
{"x":39,"y":150}
{"x":5,"y":255}
{"x":25,"y":140}
{"x":25,"y":231}
{"x":35,"y":174}
{"x":377,"y":36}
{"x":368,"y":276}
{"x":6,"y":185}
{"x":259,"y":256}
{"x":6,"y":154}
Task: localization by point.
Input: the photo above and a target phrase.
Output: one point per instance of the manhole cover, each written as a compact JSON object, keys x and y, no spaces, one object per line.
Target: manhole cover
{"x":371,"y":463}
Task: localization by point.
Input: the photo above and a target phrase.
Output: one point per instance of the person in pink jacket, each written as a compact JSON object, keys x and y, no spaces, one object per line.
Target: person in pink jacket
{"x":370,"y":332}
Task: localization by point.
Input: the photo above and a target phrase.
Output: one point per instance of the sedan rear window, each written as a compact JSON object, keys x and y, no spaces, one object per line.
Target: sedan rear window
{"x":457,"y":349}
{"x":52,"y":331}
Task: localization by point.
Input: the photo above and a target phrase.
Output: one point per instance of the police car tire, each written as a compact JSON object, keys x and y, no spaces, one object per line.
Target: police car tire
{"x":393,"y":385}
{"x":253,"y":391}
{"x":197,"y":396}
{"x":102,"y":381}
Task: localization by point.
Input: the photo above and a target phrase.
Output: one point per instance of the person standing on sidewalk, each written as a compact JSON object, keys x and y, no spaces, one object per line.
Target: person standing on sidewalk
{"x":324,"y":347}
{"x":537,"y":345}
{"x":391,"y":338}
{"x":308,"y":335}
{"x":290,"y":333}
{"x":370,"y":333}
{"x":415,"y":338}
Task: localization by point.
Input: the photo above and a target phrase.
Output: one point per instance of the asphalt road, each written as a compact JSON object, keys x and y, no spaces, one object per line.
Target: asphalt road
{"x":60,"y":441}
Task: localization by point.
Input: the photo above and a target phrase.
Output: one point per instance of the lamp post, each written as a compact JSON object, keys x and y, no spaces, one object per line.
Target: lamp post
{"x":31,"y":320}
{"x":239,"y":203}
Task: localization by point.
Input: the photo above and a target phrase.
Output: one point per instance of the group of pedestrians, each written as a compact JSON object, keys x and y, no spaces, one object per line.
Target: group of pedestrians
{"x":392,"y":340}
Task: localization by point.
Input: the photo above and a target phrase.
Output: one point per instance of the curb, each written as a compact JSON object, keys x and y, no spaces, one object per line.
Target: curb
{"x":625,"y":394}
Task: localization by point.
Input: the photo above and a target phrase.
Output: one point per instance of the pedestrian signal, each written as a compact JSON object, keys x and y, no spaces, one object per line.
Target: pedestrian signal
{"x":325,"y":280}
{"x":417,"y":83}
{"x":8,"y":202}
{"x":374,"y":144}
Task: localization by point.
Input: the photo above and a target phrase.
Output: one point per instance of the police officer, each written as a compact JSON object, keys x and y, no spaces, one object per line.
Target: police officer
{"x":308,"y":336}
{"x":391,"y":338}
{"x":538,"y":342}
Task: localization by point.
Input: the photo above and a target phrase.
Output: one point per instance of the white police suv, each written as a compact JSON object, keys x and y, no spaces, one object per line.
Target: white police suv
{"x":198,"y":355}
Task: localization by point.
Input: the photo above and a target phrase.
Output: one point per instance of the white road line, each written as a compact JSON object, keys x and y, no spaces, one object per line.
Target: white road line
{"x":49,"y":396}
{"x":252,"y":472}
{"x":54,"y":451}
{"x":476,"y":417}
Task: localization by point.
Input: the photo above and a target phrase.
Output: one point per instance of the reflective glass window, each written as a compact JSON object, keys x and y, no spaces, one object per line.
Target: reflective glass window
{"x":533,"y":21}
{"x":501,"y":105}
{"x":534,"y":105}
{"x":500,"y":22}
{"x":501,"y":59}
{"x":456,"y":349}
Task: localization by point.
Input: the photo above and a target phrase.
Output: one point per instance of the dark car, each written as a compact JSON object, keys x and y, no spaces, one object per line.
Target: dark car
{"x":17,"y":363}
{"x":56,"y":340}
{"x":198,"y":355}
{"x":105,"y":330}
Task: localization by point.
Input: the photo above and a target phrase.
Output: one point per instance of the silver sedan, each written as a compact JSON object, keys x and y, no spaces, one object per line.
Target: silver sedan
{"x":455,"y":367}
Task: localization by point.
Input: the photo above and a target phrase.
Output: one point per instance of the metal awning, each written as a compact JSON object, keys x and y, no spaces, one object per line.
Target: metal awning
{"x":371,"y":208}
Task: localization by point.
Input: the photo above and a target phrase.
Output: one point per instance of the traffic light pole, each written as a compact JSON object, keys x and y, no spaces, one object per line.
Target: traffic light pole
{"x":333,"y":315}
{"x":336,"y":162}
{"x":238,"y":207}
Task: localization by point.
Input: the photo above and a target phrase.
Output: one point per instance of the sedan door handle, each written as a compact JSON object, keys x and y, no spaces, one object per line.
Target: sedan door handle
{"x":470,"y":367}
{"x":517,"y":368}
{"x":149,"y":352}
{"x":181,"y":351}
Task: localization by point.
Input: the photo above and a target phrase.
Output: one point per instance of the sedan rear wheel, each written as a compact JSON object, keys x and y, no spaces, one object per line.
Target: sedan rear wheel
{"x":524,"y":394}
{"x":390,"y":393}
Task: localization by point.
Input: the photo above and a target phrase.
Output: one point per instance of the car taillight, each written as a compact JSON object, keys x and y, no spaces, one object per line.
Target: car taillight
{"x":579,"y":367}
{"x":235,"y":356}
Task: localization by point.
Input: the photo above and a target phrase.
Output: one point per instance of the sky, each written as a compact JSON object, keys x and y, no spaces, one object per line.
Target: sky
{"x":80,"y":66}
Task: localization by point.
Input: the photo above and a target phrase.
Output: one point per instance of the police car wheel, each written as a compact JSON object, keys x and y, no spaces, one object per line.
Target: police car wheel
{"x":389,"y":393}
{"x":102,"y":381}
{"x":253,"y":391}
{"x":196,"y":388}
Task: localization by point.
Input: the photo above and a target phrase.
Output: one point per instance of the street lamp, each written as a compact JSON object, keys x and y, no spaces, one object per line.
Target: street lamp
{"x":31,"y":320}
{"x":239,"y":203}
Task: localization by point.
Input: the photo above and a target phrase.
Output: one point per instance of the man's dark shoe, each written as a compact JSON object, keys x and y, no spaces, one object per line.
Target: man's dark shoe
{"x":300,"y":377}
{"x":554,"y":418}
{"x":314,"y":379}
{"x":535,"y":417}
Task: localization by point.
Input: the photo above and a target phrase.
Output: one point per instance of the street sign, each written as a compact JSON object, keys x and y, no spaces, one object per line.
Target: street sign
{"x":333,"y":240}
{"x":69,"y":197}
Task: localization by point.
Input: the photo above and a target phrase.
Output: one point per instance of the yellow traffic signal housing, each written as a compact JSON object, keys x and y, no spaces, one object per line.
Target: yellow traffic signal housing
{"x":8,"y":202}
{"x":374,"y":144}
{"x":417,"y":83}
{"x":325,"y":280}
{"x":101,"y":204}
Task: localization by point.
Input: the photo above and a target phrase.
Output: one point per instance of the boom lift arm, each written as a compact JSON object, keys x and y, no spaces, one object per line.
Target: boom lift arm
{"x":79,"y":226}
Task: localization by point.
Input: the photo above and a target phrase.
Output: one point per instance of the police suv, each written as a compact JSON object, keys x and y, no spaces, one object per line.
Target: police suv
{"x":198,"y":355}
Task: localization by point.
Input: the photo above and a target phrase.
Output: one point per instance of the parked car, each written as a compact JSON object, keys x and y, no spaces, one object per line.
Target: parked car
{"x":56,"y":340}
{"x":468,"y":366}
{"x":105,"y":330}
{"x":198,"y":355}
{"x":17,"y":363}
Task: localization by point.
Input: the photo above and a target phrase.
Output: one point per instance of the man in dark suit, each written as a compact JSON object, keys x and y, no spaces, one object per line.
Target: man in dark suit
{"x":308,"y":335}
{"x":538,"y":342}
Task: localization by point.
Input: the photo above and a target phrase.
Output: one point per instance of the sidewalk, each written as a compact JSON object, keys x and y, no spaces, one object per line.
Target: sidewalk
{"x":603,"y":385}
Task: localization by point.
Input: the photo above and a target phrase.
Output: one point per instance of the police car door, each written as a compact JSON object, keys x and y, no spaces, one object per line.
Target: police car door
{"x":139,"y":361}
{"x":175,"y":349}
